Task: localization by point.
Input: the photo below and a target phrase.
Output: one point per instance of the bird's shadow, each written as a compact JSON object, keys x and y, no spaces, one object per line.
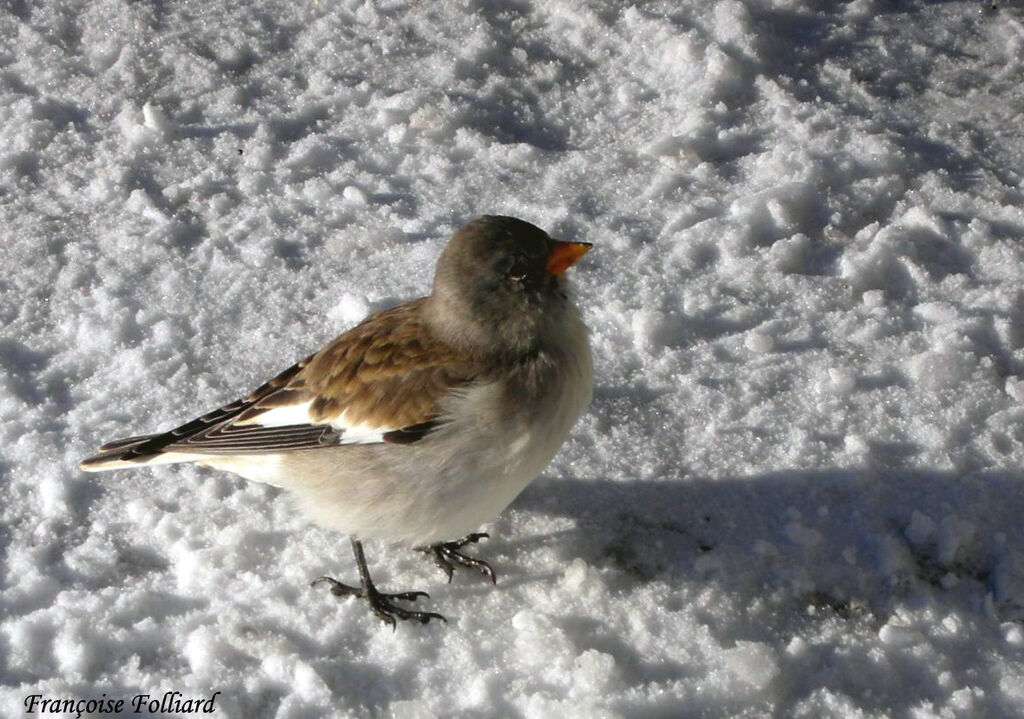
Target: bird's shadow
{"x":773,"y":556}
{"x":841,"y":534}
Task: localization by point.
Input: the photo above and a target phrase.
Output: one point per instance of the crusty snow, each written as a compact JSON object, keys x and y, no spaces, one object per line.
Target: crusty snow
{"x":799,"y":489}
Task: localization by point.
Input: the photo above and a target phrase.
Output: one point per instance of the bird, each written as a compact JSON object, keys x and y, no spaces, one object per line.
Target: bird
{"x":421,"y":423}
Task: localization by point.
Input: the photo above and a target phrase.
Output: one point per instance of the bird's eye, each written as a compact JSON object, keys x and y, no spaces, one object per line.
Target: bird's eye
{"x":516,"y":272}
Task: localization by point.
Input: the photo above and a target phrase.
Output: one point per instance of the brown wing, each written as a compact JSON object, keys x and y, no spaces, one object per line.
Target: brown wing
{"x":388,"y":373}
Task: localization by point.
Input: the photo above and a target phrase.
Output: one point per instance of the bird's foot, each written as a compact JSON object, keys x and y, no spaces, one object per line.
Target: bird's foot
{"x":447,"y":556}
{"x":383,"y":605}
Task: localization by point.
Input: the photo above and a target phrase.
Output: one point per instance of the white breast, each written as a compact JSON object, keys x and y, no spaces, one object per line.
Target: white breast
{"x":497,"y":455}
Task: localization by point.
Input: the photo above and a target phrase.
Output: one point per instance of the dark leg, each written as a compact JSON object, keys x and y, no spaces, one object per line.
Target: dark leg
{"x":447,"y":555}
{"x":382,"y":604}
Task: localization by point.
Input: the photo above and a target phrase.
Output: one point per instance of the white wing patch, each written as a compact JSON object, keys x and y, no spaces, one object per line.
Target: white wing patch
{"x":281,"y":416}
{"x":358,"y":432}
{"x":298,"y":414}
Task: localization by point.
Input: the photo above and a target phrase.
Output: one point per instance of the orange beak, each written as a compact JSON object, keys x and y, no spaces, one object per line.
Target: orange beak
{"x":565,"y":254}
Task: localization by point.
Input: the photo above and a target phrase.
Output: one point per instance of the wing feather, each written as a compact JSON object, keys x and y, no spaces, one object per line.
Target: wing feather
{"x":385,"y":380}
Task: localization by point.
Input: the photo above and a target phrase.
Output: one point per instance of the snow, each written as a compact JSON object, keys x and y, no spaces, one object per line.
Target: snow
{"x":798,"y":491}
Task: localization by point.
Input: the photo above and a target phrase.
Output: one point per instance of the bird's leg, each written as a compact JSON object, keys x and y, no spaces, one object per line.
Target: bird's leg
{"x":447,"y":555}
{"x":382,"y":604}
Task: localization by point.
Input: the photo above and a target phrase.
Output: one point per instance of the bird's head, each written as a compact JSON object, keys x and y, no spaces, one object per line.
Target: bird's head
{"x":499,"y":285}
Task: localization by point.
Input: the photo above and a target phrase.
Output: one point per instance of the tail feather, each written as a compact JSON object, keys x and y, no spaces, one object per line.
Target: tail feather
{"x":121,"y":453}
{"x":126,"y":442}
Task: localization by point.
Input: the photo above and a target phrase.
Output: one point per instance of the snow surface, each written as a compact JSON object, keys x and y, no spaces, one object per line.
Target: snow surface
{"x":799,"y":489}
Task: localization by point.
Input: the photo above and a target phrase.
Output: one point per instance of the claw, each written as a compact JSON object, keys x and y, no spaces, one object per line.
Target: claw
{"x":410,"y":596}
{"x":447,"y":556}
{"x":337,"y":588}
{"x":381,"y":604}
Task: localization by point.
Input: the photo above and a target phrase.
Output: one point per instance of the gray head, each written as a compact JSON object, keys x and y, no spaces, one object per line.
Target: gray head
{"x":498,"y":287}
